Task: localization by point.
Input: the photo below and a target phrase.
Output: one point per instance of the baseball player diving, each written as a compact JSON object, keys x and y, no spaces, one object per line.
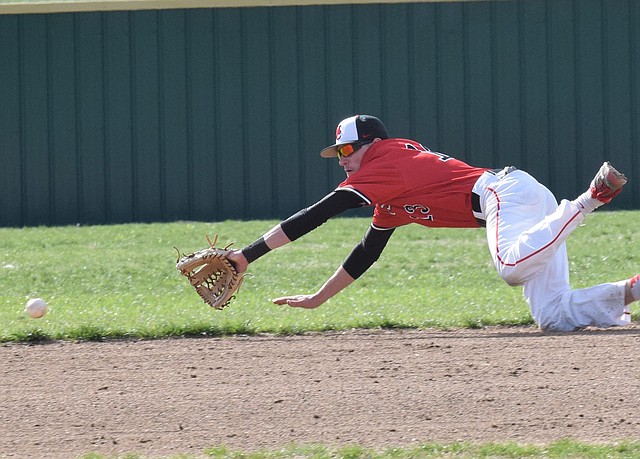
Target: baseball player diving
{"x":407,"y":183}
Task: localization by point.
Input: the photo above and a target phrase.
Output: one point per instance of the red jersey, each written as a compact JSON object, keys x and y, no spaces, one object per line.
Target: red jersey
{"x":409,"y":184}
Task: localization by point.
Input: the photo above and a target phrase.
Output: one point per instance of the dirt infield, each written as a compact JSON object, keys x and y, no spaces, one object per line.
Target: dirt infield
{"x":372,"y":388}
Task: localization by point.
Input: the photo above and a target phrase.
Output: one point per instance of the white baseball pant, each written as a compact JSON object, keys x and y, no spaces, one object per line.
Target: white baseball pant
{"x":526,"y":233}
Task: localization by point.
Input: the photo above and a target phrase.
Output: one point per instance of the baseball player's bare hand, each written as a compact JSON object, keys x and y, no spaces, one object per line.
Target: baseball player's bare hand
{"x":238,"y":260}
{"x":299,"y":301}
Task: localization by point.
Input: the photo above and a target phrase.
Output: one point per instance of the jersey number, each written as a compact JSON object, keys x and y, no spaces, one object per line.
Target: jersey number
{"x":418,"y":212}
{"x":442,"y":156}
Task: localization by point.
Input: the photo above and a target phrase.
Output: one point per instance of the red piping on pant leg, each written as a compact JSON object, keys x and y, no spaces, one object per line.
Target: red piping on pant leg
{"x":502,"y":262}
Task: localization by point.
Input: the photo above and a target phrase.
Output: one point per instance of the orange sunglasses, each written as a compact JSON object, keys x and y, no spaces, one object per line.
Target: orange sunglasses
{"x":350,"y":148}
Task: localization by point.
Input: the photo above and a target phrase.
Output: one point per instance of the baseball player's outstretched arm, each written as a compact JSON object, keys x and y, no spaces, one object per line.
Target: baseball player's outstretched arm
{"x":361,"y":258}
{"x":339,"y":281}
{"x":295,"y":226}
{"x":273,"y":239}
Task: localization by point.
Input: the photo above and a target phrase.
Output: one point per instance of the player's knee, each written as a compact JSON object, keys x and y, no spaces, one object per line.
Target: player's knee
{"x":551,"y":320}
{"x":511,"y":275}
{"x":513,"y":281}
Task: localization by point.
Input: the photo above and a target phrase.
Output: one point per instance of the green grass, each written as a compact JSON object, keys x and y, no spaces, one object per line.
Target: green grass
{"x":563,"y":449}
{"x":120,"y":281}
{"x":559,"y":449}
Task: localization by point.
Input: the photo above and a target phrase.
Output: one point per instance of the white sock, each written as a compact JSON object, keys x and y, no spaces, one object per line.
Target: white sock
{"x":586,"y":203}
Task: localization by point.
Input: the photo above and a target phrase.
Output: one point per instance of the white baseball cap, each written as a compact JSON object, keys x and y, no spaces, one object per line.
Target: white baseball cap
{"x":356,"y":128}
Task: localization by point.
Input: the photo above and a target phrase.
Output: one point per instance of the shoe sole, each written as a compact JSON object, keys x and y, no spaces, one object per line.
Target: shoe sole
{"x":613,"y":179}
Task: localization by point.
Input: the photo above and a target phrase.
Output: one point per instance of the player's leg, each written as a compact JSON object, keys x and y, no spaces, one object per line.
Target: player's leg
{"x":632,"y":291}
{"x":526,"y":234}
{"x":607,"y":184}
{"x":525,"y":226}
{"x":555,"y":306}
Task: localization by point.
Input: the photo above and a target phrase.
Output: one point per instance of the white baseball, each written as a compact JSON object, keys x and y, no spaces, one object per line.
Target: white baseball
{"x":36,"y":307}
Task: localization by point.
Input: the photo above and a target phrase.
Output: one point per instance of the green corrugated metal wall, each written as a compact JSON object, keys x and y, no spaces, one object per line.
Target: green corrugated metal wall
{"x":212,"y":114}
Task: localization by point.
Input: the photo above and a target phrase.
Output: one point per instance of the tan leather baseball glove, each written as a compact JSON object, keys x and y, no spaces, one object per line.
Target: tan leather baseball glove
{"x":211,"y":274}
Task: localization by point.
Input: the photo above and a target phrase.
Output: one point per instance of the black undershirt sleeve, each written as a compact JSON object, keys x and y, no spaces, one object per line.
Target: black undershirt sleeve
{"x":367,"y":252}
{"x":310,"y":218}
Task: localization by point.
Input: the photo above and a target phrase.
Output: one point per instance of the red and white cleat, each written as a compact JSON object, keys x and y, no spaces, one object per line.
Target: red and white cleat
{"x":607,"y":183}
{"x":634,"y":286}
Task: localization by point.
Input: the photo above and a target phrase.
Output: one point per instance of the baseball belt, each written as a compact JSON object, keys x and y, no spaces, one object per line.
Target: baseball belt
{"x":475,"y":197}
